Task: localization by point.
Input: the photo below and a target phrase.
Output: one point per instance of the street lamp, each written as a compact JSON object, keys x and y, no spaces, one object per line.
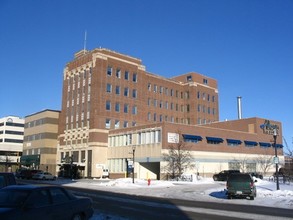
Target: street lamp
{"x":276,"y":158}
{"x":133,"y":152}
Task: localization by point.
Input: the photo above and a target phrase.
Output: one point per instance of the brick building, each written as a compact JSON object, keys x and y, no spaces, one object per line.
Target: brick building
{"x":105,"y":92}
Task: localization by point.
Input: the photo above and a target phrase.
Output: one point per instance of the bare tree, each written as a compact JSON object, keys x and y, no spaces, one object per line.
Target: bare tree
{"x":240,"y":164}
{"x":178,"y":159}
{"x":265,"y":162}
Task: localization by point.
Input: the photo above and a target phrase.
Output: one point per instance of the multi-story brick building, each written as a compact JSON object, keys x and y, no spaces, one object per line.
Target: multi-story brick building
{"x":105,"y":92}
{"x":11,"y":140}
{"x":40,"y":140}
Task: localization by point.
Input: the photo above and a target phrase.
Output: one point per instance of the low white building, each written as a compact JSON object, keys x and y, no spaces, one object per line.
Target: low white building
{"x":11,"y":142}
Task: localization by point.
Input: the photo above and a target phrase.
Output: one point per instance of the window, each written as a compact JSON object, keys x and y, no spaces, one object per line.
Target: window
{"x":161,"y":89}
{"x":118,"y":73}
{"x":134,"y":110}
{"x":205,"y":81}
{"x":126,"y":75}
{"x":109,"y":71}
{"x":155,"y":117}
{"x":109,"y":88}
{"x":117,"y":107}
{"x":149,"y":87}
{"x":134,"y":93}
{"x":155,"y":88}
{"x":149,"y":116}
{"x":126,"y":106}
{"x":117,"y":124}
{"x":149,"y":102}
{"x":125,"y":124}
{"x":108,"y":123}
{"x":172,"y":92}
{"x":189,"y":78}
{"x":134,"y":77}
{"x":117,"y":90}
{"x":155,"y":102}
{"x":198,"y":95}
{"x":108,"y":105}
{"x":198,"y":107}
{"x":58,"y":196}
{"x":214,"y":140}
{"x":126,"y":91}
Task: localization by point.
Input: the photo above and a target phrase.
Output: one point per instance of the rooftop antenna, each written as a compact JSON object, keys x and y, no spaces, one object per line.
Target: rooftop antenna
{"x":84,"y":45}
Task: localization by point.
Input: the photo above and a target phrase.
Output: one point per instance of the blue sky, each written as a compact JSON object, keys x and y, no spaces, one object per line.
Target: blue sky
{"x":247,"y":45}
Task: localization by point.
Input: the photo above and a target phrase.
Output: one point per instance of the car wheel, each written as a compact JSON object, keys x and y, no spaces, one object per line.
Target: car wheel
{"x":251,"y":197}
{"x":215,"y":178}
{"x":229,"y":197}
{"x":77,"y":217}
{"x":44,"y":178}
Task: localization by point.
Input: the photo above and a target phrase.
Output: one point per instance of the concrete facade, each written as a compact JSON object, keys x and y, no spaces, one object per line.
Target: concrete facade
{"x":11,"y":142}
{"x":40,"y":141}
{"x":242,"y":145}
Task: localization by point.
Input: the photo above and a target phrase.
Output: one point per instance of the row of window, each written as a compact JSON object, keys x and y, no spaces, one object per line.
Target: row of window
{"x":118,"y":74}
{"x":12,"y":132}
{"x":140,"y":138}
{"x":126,"y":91}
{"x":117,"y":106}
{"x":12,"y":124}
{"x":178,"y":94}
{"x":115,"y":123}
{"x":9,"y":140}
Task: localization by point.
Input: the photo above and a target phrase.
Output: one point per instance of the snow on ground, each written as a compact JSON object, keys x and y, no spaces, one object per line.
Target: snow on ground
{"x":202,"y":189}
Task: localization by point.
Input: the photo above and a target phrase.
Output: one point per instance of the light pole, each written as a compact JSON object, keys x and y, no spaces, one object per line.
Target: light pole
{"x":133,"y":152}
{"x":276,"y":158}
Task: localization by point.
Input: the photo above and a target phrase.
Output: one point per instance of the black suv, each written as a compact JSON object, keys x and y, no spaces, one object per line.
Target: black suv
{"x":7,"y":179}
{"x":223,"y":175}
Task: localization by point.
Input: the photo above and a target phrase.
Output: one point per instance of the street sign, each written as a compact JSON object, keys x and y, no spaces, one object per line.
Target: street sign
{"x":276,"y":160}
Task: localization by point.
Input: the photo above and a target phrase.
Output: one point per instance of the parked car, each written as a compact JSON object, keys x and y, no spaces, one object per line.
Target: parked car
{"x":241,"y":185}
{"x":257,"y":175}
{"x":223,"y":175}
{"x":26,"y":173}
{"x":44,"y":202}
{"x":44,"y":176}
{"x":7,"y":179}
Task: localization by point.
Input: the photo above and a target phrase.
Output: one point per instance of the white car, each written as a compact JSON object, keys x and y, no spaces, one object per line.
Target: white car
{"x":44,"y":176}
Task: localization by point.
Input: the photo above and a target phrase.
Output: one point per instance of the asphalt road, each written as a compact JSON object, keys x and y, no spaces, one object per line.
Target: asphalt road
{"x":142,"y":207}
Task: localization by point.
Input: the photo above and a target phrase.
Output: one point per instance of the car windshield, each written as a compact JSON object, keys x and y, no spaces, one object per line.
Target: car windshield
{"x":241,"y":178}
{"x":12,"y":198}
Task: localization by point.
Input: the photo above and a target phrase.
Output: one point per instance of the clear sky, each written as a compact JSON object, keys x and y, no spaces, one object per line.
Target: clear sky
{"x":247,"y":45}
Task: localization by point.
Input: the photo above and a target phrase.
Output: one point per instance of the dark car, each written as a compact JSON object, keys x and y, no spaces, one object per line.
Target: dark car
{"x":257,"y":175}
{"x":223,"y":175}
{"x":43,"y":202}
{"x":7,"y":179}
{"x":26,"y":174}
{"x":241,"y":185}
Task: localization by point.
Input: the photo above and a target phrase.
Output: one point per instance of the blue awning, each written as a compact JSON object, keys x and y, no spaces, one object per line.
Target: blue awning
{"x":264,"y":144}
{"x":192,"y":137}
{"x":234,"y":141}
{"x":279,"y":146}
{"x":252,"y":143}
{"x":215,"y":139}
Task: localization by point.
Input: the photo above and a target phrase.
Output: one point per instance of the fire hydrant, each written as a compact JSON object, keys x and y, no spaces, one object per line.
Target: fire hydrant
{"x":149,"y":182}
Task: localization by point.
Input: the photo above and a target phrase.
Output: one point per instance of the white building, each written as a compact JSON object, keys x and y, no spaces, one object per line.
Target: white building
{"x":11,"y":142}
